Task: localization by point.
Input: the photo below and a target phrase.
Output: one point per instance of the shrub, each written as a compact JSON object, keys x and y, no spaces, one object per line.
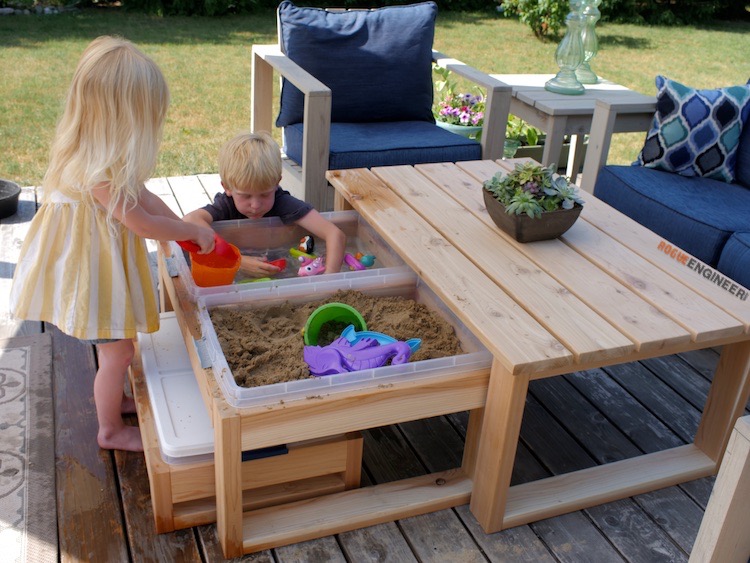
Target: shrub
{"x":544,"y":17}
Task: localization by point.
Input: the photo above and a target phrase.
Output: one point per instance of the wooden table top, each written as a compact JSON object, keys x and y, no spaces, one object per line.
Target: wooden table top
{"x":606,"y":292}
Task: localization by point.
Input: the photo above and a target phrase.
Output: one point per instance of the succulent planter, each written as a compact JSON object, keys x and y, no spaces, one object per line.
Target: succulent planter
{"x":523,"y":228}
{"x":9,"y":193}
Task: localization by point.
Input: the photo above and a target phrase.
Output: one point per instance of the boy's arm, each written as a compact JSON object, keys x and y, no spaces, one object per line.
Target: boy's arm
{"x":335,"y":238}
{"x":199,"y":217}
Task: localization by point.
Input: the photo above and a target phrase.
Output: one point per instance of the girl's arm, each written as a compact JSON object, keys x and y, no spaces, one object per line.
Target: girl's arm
{"x":335,"y":238}
{"x":146,"y":220}
{"x":155,"y":205}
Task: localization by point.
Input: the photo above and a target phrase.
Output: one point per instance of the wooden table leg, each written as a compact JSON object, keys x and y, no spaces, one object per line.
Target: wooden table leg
{"x":724,"y":535}
{"x":575,"y":156}
{"x":506,"y":399}
{"x":554,"y":141}
{"x":227,"y":462}
{"x":726,"y":400}
{"x":471,"y":444}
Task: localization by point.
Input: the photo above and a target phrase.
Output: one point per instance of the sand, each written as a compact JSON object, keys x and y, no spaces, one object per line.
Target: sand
{"x":264,"y":345}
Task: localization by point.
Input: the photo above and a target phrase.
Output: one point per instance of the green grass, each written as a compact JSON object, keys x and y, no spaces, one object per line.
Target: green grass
{"x":207,"y":64}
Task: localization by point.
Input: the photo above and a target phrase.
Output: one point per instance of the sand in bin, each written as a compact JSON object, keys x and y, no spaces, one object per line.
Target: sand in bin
{"x":264,"y":345}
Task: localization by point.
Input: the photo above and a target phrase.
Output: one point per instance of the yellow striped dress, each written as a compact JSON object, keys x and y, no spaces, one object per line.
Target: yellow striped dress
{"x":74,"y":274}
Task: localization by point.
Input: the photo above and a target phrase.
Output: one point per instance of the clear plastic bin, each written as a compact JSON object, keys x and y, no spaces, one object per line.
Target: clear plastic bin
{"x":401,"y":284}
{"x":269,"y":237}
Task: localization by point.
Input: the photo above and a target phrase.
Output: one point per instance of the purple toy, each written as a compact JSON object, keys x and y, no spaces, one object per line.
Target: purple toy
{"x":340,"y":356}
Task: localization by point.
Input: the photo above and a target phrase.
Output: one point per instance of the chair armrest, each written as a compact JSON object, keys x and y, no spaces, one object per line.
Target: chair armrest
{"x":497,"y":103}
{"x":612,"y":117}
{"x":317,"y":116}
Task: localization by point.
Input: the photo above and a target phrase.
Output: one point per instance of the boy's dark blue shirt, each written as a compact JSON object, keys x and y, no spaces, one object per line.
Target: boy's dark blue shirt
{"x":286,"y":207}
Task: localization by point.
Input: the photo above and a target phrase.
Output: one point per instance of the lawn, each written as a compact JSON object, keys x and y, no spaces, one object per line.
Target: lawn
{"x":207,"y":64}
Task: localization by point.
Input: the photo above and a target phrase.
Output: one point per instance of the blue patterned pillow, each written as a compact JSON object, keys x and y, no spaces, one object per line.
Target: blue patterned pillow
{"x":696,"y":132}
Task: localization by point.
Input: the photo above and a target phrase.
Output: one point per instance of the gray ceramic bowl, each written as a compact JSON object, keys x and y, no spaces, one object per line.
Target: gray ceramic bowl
{"x":9,"y":193}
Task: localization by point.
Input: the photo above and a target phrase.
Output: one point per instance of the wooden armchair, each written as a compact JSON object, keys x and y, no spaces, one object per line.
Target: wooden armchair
{"x":349,"y":81}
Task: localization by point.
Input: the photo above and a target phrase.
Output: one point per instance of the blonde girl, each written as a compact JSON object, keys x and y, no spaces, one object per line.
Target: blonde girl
{"x":84,"y":264}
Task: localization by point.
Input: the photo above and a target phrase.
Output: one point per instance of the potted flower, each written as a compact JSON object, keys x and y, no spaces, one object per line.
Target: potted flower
{"x":460,"y":113}
{"x":532,"y":203}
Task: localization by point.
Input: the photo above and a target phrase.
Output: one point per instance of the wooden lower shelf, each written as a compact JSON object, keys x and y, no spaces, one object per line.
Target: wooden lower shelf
{"x":184,"y":495}
{"x":349,"y":510}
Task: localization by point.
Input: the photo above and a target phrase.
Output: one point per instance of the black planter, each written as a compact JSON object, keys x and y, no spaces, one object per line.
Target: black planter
{"x":523,"y":228}
{"x":9,"y":193}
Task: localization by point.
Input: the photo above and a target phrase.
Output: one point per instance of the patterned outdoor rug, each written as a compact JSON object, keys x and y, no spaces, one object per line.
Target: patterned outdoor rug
{"x":28,"y":516}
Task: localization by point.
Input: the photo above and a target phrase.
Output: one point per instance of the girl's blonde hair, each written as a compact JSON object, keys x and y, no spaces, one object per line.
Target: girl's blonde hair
{"x":111,"y":126}
{"x":250,"y":163}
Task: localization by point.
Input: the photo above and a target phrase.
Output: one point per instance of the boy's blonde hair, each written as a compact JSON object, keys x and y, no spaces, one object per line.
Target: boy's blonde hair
{"x":250,"y":163}
{"x":112,"y":123}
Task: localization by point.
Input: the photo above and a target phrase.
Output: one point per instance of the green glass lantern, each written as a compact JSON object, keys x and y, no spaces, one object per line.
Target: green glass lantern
{"x":569,"y":54}
{"x":591,"y":15}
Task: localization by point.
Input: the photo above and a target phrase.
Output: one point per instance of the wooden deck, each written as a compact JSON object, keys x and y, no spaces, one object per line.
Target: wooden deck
{"x":571,"y":422}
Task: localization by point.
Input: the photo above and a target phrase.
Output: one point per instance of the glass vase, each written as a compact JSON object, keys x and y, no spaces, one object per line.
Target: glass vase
{"x":591,"y":15}
{"x":569,"y":54}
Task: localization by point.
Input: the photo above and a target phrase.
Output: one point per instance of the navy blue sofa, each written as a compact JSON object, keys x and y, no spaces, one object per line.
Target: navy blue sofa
{"x":709,"y":219}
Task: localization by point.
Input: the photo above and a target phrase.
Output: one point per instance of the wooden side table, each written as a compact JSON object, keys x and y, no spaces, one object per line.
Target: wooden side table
{"x":559,"y":115}
{"x":724,"y":535}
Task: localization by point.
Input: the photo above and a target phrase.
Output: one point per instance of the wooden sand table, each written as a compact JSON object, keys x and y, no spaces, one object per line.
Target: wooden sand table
{"x":263,"y":345}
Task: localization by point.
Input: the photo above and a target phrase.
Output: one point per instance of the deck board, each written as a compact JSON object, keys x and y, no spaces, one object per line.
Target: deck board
{"x":579,"y":420}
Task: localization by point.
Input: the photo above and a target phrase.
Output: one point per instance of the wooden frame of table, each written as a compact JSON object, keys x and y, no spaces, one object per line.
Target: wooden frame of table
{"x":609,"y":291}
{"x":542,"y":309}
{"x":559,"y":115}
{"x":240,"y":429}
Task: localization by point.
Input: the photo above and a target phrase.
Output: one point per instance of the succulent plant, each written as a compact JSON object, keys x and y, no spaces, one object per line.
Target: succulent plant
{"x":533,"y":189}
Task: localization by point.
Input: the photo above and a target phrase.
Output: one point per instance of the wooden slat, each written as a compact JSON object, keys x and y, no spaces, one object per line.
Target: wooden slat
{"x":645,"y":325}
{"x":144,"y":544}
{"x":211,"y":184}
{"x":701,"y":318}
{"x":447,"y":271}
{"x":436,"y":536}
{"x":88,"y":506}
{"x":647,"y":244}
{"x":588,"y":487}
{"x":160,"y":187}
{"x":274,"y":526}
{"x":189,"y":193}
{"x":323,"y":415}
{"x":571,"y":321}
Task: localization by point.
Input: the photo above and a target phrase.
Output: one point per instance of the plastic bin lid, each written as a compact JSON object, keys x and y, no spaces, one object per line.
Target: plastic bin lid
{"x":183,"y":425}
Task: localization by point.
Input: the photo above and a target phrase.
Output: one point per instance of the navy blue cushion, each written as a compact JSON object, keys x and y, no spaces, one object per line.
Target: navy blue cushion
{"x":735,"y":258}
{"x":377,"y":63}
{"x":696,"y":214}
{"x":363,"y":145}
{"x":742,"y":167}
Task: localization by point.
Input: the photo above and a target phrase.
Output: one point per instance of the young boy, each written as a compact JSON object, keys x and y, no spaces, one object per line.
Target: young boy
{"x":250,"y":171}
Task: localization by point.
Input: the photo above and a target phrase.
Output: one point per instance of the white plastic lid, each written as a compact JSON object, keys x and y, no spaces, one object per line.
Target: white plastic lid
{"x":183,"y":425}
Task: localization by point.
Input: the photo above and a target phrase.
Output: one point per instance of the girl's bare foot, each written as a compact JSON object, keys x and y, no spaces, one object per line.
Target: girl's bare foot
{"x":128,"y":405}
{"x":128,"y":438}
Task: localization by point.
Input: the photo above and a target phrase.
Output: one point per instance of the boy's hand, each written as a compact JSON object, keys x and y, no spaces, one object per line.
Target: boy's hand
{"x":257,"y":267}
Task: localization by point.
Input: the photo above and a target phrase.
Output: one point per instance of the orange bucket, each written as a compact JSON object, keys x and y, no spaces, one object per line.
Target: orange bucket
{"x":214,"y":269}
